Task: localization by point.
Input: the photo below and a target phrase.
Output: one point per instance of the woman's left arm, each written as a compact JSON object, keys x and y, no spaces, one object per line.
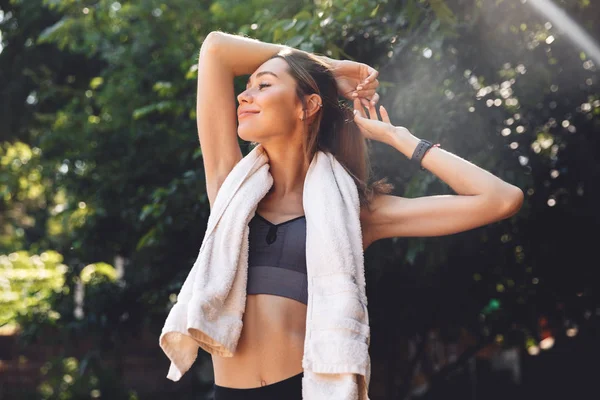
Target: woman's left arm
{"x":482,"y":198}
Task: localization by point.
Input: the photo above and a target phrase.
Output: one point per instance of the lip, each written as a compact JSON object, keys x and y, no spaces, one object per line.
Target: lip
{"x":245,"y":113}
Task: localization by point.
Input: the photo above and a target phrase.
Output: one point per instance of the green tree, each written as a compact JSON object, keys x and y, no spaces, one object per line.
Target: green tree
{"x":101,"y":163}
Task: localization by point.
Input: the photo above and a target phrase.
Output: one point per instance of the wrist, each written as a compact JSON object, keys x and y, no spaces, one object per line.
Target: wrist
{"x":329,"y":61}
{"x":402,"y":140}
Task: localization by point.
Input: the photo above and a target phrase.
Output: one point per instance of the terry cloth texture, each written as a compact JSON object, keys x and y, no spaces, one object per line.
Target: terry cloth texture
{"x":210,"y":305}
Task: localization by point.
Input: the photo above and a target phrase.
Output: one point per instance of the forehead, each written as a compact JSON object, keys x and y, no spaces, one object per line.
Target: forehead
{"x":275,"y":65}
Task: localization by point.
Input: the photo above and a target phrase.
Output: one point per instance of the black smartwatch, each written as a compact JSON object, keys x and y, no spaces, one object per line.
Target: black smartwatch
{"x":420,"y":151}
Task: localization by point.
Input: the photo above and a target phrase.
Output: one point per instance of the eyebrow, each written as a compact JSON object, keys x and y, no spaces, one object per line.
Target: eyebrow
{"x":261,"y":73}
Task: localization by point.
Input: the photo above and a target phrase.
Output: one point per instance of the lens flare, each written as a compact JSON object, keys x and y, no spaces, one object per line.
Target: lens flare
{"x":533,"y":350}
{"x":547,"y":343}
{"x":561,"y":20}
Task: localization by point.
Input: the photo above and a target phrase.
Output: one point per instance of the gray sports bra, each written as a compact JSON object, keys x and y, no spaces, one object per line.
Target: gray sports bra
{"x":277,"y":258}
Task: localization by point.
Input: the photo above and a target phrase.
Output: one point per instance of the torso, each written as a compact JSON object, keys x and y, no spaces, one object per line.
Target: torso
{"x":271,"y":344}
{"x":270,"y":347}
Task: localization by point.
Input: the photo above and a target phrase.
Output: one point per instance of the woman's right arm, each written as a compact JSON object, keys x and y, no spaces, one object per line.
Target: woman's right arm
{"x":223,"y":57}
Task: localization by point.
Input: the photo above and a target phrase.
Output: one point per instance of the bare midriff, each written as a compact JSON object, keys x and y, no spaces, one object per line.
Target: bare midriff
{"x":270,"y":347}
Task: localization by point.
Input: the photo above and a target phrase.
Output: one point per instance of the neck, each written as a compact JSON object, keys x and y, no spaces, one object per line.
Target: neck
{"x":288,"y":169}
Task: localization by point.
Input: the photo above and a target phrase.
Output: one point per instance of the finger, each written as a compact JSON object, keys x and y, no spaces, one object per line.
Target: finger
{"x":373,"y":73}
{"x":359,"y":108}
{"x":365,"y":102}
{"x":375,"y":98}
{"x":367,"y":94}
{"x":359,"y":117}
{"x":385,"y":117}
{"x":356,"y":104}
{"x":373,"y":112}
{"x":368,"y":86}
{"x":368,"y":102}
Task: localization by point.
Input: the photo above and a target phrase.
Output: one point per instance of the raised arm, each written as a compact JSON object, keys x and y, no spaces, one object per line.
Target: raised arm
{"x":482,"y":198}
{"x":223,"y":57}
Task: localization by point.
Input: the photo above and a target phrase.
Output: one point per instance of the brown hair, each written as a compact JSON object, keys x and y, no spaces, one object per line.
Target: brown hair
{"x":333,"y":128}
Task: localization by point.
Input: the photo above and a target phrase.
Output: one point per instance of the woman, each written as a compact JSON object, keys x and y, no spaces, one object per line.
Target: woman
{"x":290,"y":106}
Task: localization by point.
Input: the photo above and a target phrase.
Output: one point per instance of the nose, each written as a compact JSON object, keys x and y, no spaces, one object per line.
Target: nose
{"x":244,"y":97}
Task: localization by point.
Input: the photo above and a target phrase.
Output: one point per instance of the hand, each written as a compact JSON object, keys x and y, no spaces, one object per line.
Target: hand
{"x":356,"y":81}
{"x":371,"y":126}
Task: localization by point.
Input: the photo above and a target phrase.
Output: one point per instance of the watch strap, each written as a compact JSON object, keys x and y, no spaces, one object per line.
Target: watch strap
{"x":420,"y":151}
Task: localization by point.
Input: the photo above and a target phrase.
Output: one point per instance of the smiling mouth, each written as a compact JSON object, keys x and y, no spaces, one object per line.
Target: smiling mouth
{"x":245,"y":114}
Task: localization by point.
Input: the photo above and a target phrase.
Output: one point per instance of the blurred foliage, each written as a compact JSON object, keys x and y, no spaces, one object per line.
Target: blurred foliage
{"x":28,"y":283}
{"x":22,"y":193}
{"x":99,"y":161}
{"x":69,"y":379}
{"x":97,"y":273}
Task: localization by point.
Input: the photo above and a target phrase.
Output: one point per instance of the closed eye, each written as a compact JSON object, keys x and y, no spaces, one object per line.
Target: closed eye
{"x":263,"y":85}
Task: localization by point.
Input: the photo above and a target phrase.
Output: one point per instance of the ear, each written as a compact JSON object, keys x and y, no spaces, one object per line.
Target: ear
{"x":314,"y":104}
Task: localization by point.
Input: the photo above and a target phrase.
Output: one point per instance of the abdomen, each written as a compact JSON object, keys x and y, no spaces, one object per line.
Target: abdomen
{"x":270,"y":347}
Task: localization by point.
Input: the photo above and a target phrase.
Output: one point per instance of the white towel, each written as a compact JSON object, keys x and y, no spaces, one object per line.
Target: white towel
{"x":209,"y":308}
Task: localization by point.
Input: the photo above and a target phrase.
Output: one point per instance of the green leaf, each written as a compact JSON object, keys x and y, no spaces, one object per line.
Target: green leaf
{"x":148,"y":239}
{"x":301,"y":25}
{"x":374,"y":12}
{"x":295,"y":41}
{"x":277,"y":35}
{"x":304,"y":14}
{"x":48,"y":34}
{"x":192,"y":72}
{"x":307,"y":46}
{"x":146,"y":211}
{"x":98,"y":271}
{"x":197,"y":153}
{"x":290,"y":24}
{"x":96,"y":82}
{"x":161,"y":107}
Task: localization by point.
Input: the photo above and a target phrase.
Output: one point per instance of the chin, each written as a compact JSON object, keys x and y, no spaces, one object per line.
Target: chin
{"x":245,"y":135}
{"x":249,"y":135}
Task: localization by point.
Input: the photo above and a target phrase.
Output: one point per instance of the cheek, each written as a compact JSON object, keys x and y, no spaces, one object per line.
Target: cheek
{"x":280,"y":108}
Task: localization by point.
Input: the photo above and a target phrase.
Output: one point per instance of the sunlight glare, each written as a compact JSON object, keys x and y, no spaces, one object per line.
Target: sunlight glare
{"x":561,"y":20}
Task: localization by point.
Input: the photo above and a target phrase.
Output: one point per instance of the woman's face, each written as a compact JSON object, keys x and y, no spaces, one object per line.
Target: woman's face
{"x":269,"y":106}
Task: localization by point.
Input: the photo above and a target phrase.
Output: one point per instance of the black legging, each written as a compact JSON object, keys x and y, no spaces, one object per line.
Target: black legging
{"x":288,"y":389}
